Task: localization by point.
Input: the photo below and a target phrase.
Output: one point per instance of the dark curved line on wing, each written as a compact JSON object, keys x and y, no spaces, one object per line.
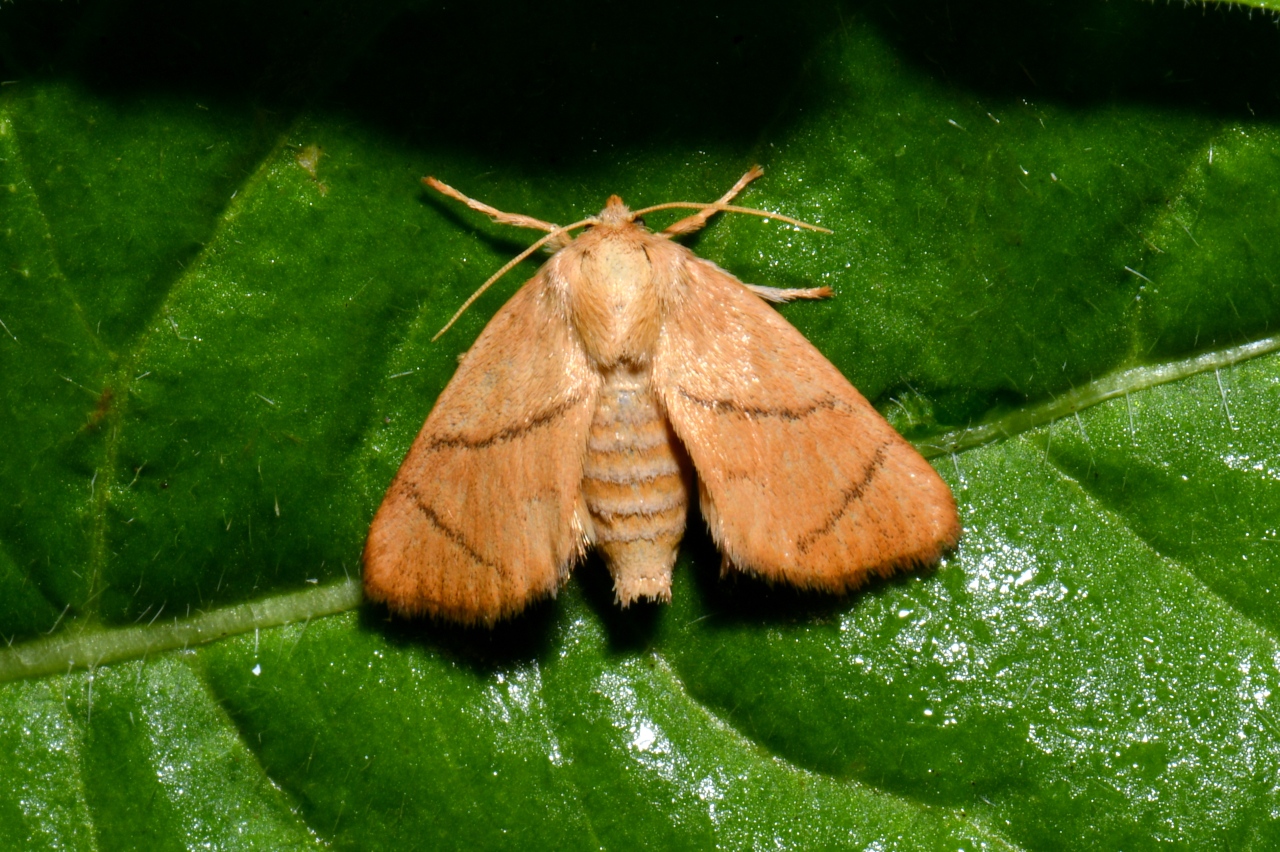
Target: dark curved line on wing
{"x":729,"y":406}
{"x":449,"y":532}
{"x":851,"y":495}
{"x":510,"y":433}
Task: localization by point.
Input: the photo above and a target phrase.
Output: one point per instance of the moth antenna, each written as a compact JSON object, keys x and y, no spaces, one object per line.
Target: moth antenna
{"x":710,"y":210}
{"x":519,"y":220}
{"x":507,"y":267}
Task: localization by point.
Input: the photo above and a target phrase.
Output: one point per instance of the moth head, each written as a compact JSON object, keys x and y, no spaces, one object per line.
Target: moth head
{"x":615,"y":213}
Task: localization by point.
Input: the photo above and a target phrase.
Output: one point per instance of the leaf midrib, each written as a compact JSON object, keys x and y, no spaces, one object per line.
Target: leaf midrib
{"x":90,"y":647}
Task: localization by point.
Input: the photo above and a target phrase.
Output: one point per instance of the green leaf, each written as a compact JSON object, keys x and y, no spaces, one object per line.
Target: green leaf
{"x":1057,"y":265}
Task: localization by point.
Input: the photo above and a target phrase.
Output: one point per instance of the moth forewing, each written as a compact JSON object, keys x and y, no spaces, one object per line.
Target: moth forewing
{"x":481,"y":518}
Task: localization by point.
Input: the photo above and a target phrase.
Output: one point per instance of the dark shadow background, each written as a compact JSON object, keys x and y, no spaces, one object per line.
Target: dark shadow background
{"x":536,"y":84}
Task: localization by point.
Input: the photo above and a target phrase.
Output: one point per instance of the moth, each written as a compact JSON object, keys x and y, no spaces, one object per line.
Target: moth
{"x":625,"y":377}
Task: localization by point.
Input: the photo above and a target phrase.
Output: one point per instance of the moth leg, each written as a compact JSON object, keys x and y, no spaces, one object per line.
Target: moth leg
{"x":697,"y":221}
{"x":780,"y":294}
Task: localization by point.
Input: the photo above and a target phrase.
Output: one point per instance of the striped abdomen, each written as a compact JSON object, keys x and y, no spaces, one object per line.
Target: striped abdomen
{"x":635,"y":486}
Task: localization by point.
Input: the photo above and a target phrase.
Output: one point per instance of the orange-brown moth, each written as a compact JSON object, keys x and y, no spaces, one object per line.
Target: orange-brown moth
{"x":626,"y":373}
